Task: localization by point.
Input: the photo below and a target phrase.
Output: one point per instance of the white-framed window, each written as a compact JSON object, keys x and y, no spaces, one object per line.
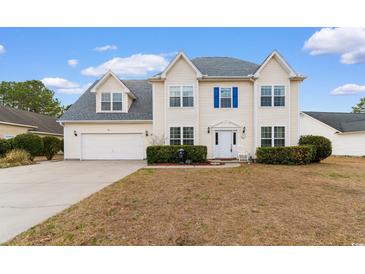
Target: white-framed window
{"x":226,"y":97}
{"x":111,"y":101}
{"x":273,"y":136}
{"x":188,"y":96}
{"x":175,"y":136}
{"x":181,"y":96}
{"x":266,"y":95}
{"x":182,"y":135}
{"x":188,"y":136}
{"x":279,"y":96}
{"x":105,"y":101}
{"x":272,"y":96}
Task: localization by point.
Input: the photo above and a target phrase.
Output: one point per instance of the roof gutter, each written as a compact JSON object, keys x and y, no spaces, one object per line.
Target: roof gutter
{"x":45,"y":133}
{"x":19,"y":125}
{"x":106,"y":121}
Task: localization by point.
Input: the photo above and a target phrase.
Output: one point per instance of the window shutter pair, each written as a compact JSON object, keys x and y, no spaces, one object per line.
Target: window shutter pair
{"x":234,"y":95}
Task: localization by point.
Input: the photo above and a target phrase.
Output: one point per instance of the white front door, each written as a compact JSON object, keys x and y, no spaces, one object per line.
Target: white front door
{"x":223,"y":144}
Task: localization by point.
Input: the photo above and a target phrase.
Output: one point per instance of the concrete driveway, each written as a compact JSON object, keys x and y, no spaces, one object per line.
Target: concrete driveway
{"x":31,"y":194}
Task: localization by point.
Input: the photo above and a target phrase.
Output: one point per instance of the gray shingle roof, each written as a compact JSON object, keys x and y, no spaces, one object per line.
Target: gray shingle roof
{"x":224,"y":66}
{"x":85,"y":107}
{"x":40,"y":122}
{"x":342,"y":121}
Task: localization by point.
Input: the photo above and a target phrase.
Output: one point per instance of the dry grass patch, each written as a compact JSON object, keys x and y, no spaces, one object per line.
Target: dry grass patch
{"x":318,"y":204}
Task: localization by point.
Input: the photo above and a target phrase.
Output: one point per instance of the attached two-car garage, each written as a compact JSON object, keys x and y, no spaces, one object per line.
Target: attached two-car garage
{"x":107,"y":141}
{"x":112,"y":146}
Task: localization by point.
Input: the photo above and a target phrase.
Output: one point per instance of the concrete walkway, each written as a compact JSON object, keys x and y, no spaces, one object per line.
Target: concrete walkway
{"x":31,"y":194}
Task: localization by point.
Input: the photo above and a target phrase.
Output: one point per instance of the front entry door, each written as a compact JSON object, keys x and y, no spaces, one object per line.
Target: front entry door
{"x":223,"y":144}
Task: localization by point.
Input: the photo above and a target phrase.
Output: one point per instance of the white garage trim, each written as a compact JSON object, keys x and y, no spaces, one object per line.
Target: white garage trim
{"x":131,"y":148}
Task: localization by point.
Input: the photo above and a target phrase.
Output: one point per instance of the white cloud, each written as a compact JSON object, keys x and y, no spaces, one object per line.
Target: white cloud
{"x":348,"y":89}
{"x":2,"y":49}
{"x":106,"y":48}
{"x":77,"y":90}
{"x":57,"y":82}
{"x":134,"y":65}
{"x":73,"y":62}
{"x":349,"y":43}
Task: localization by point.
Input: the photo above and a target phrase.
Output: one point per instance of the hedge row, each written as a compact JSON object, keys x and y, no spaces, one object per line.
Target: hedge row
{"x":294,"y":155}
{"x":322,"y":144}
{"x":35,"y":145}
{"x":170,"y":154}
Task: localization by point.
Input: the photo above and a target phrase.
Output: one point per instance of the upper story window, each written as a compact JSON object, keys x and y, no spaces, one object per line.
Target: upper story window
{"x":273,"y":96}
{"x":226,"y":97}
{"x":269,"y":139}
{"x":111,"y":101}
{"x":181,"y":96}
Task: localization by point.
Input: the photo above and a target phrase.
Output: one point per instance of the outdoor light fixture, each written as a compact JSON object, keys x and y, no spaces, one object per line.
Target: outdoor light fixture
{"x":146,"y":132}
{"x":243,"y":130}
{"x":75,"y":133}
{"x":208,"y":130}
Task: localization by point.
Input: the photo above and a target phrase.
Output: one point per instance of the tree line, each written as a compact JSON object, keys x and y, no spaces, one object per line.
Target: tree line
{"x":32,"y":96}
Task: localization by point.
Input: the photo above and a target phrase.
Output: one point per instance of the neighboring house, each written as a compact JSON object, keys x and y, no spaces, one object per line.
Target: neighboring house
{"x":14,"y":121}
{"x":345,"y":130}
{"x":230,"y":105}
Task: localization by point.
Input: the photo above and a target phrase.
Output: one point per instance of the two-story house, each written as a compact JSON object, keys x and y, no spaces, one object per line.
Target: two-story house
{"x":227,"y":104}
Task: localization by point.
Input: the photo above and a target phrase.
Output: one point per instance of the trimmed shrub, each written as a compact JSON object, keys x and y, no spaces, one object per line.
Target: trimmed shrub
{"x":62,"y":145}
{"x":322,"y":144}
{"x":51,"y":145}
{"x":29,"y":142}
{"x":294,"y":155}
{"x":169,"y":154}
{"x":5,"y":146}
{"x":17,"y":156}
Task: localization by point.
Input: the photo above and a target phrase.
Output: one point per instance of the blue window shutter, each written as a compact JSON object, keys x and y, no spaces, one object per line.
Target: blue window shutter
{"x":216,"y":97}
{"x":235,"y":97}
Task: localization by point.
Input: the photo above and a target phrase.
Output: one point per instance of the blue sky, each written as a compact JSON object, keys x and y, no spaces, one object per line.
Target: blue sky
{"x":329,"y":61}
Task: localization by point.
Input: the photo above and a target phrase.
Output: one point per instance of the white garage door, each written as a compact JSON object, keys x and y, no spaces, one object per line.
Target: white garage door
{"x":112,"y":146}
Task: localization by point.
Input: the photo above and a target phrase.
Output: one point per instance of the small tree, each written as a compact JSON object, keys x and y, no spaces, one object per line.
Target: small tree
{"x":29,"y":142}
{"x":51,"y":145}
{"x":360,"y":107}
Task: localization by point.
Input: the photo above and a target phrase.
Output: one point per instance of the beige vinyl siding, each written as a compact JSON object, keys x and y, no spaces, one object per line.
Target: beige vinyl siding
{"x":12,"y":130}
{"x":181,"y":74}
{"x":342,"y":143}
{"x":241,"y":116}
{"x":294,"y":112}
{"x":73,"y":143}
{"x":274,"y":74}
{"x":158,"y":99}
{"x":111,"y":85}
